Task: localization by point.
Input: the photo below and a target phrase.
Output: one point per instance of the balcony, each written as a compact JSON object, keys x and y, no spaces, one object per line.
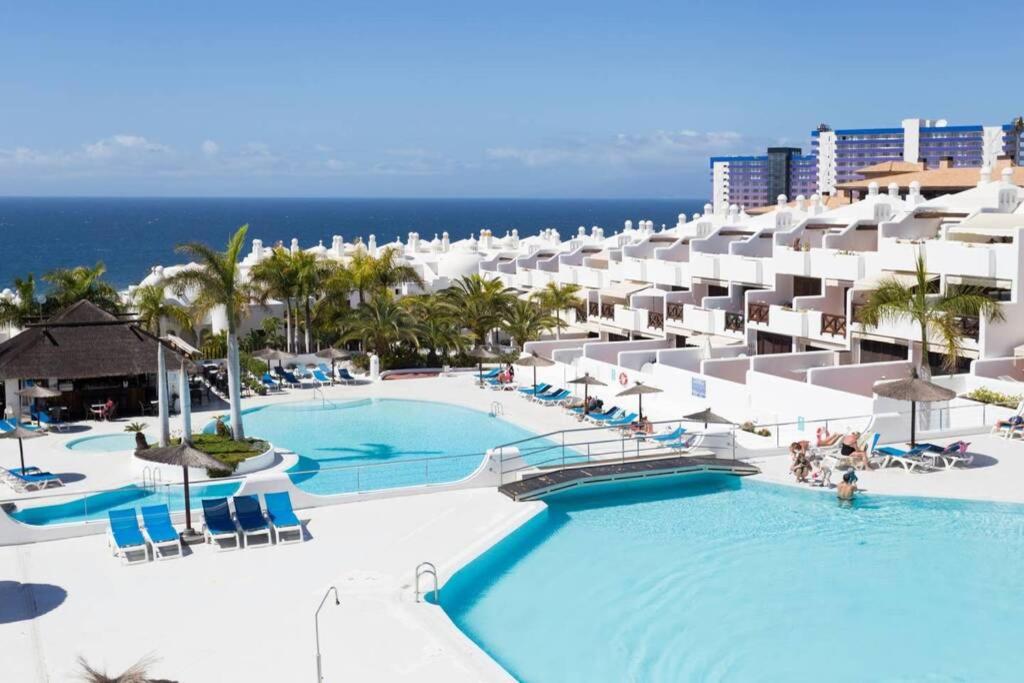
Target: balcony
{"x":733,"y":322}
{"x":592,"y":309}
{"x":834,"y":325}
{"x":757,"y":312}
{"x":655,"y":320}
{"x":970,"y":328}
{"x":674,"y":311}
{"x":607,"y":311}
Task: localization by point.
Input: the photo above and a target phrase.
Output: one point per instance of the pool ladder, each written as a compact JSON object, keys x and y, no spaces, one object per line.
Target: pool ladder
{"x":154,"y":476}
{"x":497,"y":409}
{"x":324,"y":401}
{"x":426,"y":569}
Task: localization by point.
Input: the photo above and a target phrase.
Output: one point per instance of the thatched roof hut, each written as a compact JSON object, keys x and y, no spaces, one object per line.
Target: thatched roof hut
{"x":81,"y":342}
{"x":93,"y":356}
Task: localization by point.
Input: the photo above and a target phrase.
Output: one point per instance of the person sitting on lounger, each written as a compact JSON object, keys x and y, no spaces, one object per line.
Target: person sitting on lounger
{"x":594,"y":405}
{"x":1015,"y":422}
{"x":108,"y":410}
{"x":848,"y":487}
{"x":641,"y":426}
{"x":826,"y":438}
{"x":850,"y":447}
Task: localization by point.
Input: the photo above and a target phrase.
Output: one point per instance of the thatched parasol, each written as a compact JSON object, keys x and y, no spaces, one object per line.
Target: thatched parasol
{"x":269,"y":354}
{"x":481,"y":353}
{"x":20,"y":433}
{"x":915,"y":390}
{"x":638,"y":390}
{"x":186,"y":456}
{"x":36,"y":391}
{"x":332,"y":354}
{"x":532,"y":360}
{"x":587,"y":381}
{"x":707,"y":417}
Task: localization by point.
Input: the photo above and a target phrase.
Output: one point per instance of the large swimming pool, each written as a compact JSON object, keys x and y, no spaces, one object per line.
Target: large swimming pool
{"x":713,"y":579}
{"x":373,"y":444}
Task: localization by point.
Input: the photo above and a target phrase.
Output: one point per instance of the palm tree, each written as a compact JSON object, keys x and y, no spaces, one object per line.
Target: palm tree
{"x":309,"y":275}
{"x":482,"y":303}
{"x":24,"y":307}
{"x":136,"y":673}
{"x":525,"y":321}
{"x":70,"y":285}
{"x":389,"y":273}
{"x":438,"y":326}
{"x":274,"y":278}
{"x":555,"y":298}
{"x":218,"y":283}
{"x":938,"y":316}
{"x":153,"y":307}
{"x":381,"y":324}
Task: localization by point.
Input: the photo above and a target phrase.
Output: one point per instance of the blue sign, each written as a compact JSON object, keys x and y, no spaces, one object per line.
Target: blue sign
{"x":698,"y":388}
{"x":801,"y":423}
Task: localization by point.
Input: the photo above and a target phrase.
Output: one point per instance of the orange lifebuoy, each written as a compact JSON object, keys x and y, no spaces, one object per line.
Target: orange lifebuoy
{"x":623,"y":380}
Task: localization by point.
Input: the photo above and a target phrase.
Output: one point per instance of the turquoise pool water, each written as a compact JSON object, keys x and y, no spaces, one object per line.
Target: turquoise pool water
{"x":104,"y":443}
{"x":96,"y":506}
{"x":713,"y":579}
{"x":375,"y":444}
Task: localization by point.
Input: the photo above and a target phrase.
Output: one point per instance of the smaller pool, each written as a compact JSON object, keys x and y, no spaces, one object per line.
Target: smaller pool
{"x":95,"y":506}
{"x":104,"y":443}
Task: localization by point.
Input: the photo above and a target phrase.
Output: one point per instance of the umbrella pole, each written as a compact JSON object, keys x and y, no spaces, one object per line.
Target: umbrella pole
{"x":188,"y":506}
{"x":534,"y":380}
{"x":586,"y":399}
{"x":913,"y":422}
{"x":21,"y":453}
{"x":641,"y":398}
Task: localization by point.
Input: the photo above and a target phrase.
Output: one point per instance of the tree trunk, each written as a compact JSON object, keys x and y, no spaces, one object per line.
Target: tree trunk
{"x":288,"y":326}
{"x":308,"y":317}
{"x":234,"y":385}
{"x":924,"y":368}
{"x":558,"y":325}
{"x":163,"y":407}
{"x":186,"y":403}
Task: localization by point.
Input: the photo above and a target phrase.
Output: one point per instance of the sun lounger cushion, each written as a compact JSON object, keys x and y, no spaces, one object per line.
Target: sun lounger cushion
{"x":249,"y":514}
{"x":157,"y":519}
{"x":124,"y":526}
{"x":217,"y":516}
{"x":279,"y":509}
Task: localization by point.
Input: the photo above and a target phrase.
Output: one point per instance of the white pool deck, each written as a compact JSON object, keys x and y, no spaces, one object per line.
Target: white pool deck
{"x":248,"y":615}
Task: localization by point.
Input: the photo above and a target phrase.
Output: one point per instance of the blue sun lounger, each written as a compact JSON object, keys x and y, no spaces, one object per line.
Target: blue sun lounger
{"x":250,"y":517}
{"x":533,"y":391}
{"x":218,"y":526}
{"x":125,"y":538}
{"x":669,"y":437}
{"x":490,"y":374}
{"x":283,"y":522}
{"x":45,"y":420}
{"x":623,"y":421}
{"x":345,"y":377}
{"x":909,"y":460}
{"x":320,"y":377}
{"x":162,"y":536}
{"x":550,"y":391}
{"x":559,"y":395}
{"x":269,"y":382}
{"x":609,"y":416}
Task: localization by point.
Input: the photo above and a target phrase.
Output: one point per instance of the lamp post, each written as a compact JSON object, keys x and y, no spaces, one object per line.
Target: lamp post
{"x":316,"y":622}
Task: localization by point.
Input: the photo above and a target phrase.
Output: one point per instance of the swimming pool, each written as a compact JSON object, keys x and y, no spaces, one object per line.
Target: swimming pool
{"x":373,"y":444}
{"x":709,"y":578}
{"x":95,"y":506}
{"x":103,"y":443}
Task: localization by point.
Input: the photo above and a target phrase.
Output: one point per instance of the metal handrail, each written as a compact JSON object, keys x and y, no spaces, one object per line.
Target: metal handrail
{"x":426,"y":569}
{"x":316,"y":623}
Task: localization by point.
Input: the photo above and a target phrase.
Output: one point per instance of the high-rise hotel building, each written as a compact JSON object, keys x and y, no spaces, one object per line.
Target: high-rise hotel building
{"x":836,"y":155}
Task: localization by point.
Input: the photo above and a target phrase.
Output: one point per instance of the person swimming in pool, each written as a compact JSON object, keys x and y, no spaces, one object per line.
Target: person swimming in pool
{"x":847,"y":489}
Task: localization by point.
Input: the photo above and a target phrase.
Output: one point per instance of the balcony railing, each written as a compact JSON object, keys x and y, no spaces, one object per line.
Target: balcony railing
{"x":733,"y":322}
{"x":970,"y":328}
{"x":607,"y":311}
{"x":856,"y":313}
{"x":674,"y":311}
{"x":757,"y":312}
{"x":592,"y":309}
{"x":833,"y":324}
{"x":655,"y":320}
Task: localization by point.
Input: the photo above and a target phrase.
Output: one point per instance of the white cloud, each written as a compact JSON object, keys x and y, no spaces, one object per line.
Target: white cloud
{"x":118,"y":144}
{"x":657,"y":148}
{"x":209,"y":148}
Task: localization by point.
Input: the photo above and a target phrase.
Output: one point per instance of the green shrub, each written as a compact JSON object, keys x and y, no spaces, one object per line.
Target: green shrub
{"x":983,"y":395}
{"x":226,"y":450}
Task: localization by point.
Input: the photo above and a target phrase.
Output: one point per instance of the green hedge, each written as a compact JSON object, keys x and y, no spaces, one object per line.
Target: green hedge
{"x":983,"y":395}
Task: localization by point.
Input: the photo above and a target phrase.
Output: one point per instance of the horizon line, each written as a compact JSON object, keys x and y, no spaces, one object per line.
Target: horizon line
{"x":352,"y":197}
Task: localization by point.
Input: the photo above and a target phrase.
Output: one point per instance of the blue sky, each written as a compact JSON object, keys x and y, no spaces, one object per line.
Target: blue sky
{"x":459,"y":98}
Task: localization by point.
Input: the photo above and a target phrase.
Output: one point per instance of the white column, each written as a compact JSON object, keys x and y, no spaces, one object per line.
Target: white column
{"x":186,"y":403}
{"x":161,"y":389}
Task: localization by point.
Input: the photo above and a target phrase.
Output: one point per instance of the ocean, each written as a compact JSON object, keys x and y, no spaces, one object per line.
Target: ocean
{"x":131,"y":235}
